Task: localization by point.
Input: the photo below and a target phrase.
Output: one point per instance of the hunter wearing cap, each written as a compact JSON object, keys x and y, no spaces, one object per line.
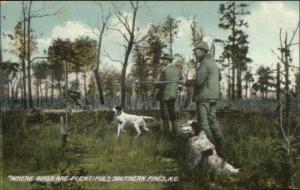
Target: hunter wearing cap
{"x":206,"y":94}
{"x":167,"y":91}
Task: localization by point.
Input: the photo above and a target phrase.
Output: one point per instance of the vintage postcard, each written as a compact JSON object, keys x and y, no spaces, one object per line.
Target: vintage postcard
{"x":149,"y":95}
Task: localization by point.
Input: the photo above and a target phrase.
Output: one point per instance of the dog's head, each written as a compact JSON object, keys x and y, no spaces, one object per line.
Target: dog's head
{"x":191,"y":128}
{"x":117,"y":110}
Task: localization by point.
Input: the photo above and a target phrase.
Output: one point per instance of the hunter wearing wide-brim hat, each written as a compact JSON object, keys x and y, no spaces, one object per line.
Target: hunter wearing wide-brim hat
{"x":206,"y":87}
{"x":167,"y":91}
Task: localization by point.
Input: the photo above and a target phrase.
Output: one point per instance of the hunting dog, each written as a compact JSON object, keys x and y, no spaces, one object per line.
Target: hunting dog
{"x":122,"y":118}
{"x":202,"y":151}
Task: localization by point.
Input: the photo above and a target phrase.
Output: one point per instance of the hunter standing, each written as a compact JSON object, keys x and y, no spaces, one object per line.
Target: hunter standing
{"x":168,"y":91}
{"x":206,"y":94}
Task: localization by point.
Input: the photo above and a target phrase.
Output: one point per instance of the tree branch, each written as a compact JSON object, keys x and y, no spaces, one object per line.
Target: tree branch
{"x":114,"y":60}
{"x":277,"y":56}
{"x":294,"y":44}
{"x":121,"y":18}
{"x":142,"y":39}
{"x":48,"y":14}
{"x":116,"y":29}
{"x":294,"y":33}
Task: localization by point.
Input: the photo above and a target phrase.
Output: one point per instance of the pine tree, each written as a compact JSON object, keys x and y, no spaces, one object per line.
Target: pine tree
{"x":236,"y":45}
{"x":169,"y":31}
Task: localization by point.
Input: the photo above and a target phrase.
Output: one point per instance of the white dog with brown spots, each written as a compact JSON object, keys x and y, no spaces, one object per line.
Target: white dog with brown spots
{"x":202,"y":151}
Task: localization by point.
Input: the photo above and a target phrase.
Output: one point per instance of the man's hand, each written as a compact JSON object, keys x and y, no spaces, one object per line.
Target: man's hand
{"x":182,"y":81}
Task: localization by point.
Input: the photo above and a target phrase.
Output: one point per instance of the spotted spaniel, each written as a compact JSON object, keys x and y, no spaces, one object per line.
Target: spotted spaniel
{"x":202,"y":151}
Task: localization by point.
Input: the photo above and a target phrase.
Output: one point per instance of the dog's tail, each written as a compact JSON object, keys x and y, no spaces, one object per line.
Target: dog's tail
{"x":147,"y":117}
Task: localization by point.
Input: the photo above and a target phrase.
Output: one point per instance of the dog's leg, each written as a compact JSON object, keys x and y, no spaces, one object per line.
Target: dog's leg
{"x":144,"y":126}
{"x":120,"y":127}
{"x":137,"y":128}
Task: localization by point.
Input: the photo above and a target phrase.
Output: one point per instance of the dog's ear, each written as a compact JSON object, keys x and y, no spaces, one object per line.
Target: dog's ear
{"x":207,"y":153}
{"x":119,"y":109}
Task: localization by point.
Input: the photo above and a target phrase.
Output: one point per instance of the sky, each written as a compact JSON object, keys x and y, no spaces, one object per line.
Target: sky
{"x":80,"y":17}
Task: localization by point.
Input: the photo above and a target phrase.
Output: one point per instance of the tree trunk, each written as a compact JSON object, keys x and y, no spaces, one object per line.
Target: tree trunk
{"x":41,"y":94}
{"x":127,"y":54}
{"x":287,"y":95}
{"x":233,"y":52}
{"x":29,"y":56}
{"x":24,"y":87}
{"x":1,"y":60}
{"x":21,"y":89}
{"x":52,"y":90}
{"x":123,"y":76}
{"x":46,"y":94}
{"x":278,"y":82}
{"x":96,"y":70}
{"x":233,"y":82}
{"x":246,"y":88}
{"x":66,"y":80}
{"x":123,"y":87}
{"x":85,"y":89}
{"x":171,"y":37}
{"x":99,"y":85}
{"x":37,"y":93}
{"x":239,"y":81}
{"x":228,"y":82}
{"x":17,"y":90}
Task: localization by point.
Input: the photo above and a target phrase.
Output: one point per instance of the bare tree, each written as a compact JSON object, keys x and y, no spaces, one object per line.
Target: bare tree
{"x":101,"y":30}
{"x":287,"y":132}
{"x":29,"y":14}
{"x":130,"y":37}
{"x":285,"y":59}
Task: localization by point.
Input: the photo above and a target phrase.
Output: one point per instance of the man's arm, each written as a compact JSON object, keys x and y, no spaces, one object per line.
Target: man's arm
{"x":201,"y":77}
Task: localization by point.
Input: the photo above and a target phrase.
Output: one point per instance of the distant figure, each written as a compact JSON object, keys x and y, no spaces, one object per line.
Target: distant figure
{"x":167,"y":91}
{"x":206,"y":94}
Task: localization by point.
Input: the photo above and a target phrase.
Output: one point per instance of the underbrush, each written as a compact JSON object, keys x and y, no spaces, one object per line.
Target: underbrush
{"x":252,"y":143}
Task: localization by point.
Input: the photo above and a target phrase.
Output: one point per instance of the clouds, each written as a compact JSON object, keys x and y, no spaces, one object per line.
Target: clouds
{"x":69,"y":30}
{"x":265,"y":22}
{"x":271,"y":15}
{"x":183,"y":45}
{"x":72,"y":30}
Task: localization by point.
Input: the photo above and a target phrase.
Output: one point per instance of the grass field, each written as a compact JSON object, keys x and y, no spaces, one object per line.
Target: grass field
{"x":252,"y":143}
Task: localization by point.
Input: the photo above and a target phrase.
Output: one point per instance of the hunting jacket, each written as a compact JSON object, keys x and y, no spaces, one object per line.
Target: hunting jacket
{"x":207,"y":83}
